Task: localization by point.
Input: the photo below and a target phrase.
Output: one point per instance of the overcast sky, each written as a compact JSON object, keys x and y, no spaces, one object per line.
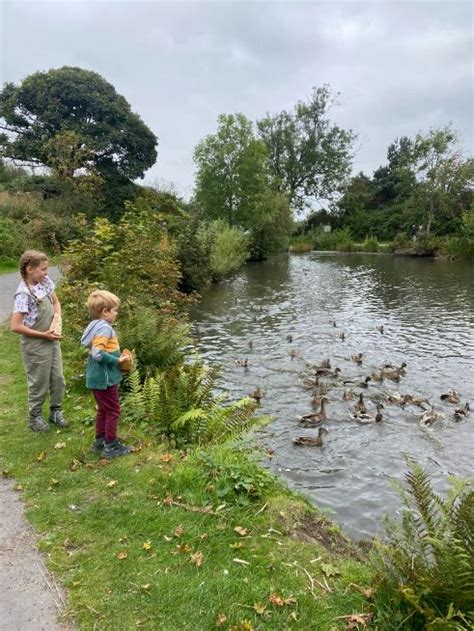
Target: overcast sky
{"x":400,"y":67}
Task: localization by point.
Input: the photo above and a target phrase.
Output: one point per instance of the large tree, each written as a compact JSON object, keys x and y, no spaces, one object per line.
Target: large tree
{"x":309,"y":157}
{"x":70,"y":119}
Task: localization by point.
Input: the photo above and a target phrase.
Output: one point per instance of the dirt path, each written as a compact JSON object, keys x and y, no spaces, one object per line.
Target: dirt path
{"x":30,"y":600}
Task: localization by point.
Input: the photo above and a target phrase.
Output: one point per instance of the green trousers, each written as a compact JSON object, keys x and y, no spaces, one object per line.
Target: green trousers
{"x":43,"y":364}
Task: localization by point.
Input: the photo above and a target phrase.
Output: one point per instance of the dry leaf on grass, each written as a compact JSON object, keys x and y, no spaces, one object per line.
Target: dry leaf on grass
{"x":277,"y":600}
{"x":179,"y":531}
{"x":147,"y":545}
{"x":259,"y":608}
{"x":112,"y":483}
{"x":240,"y":531}
{"x":197,"y":558}
{"x":60,"y":445}
{"x":355,"y":619}
{"x":122,"y":555}
{"x":221,"y":619}
{"x":183,"y":548}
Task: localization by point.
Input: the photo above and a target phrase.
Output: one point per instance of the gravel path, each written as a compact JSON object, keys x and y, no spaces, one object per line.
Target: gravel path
{"x":30,"y":600}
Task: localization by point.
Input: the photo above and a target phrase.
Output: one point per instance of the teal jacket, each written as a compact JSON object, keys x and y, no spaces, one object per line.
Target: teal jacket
{"x":102,"y":370}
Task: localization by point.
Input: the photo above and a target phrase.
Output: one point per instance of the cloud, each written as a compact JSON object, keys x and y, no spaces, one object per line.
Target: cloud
{"x":400,"y":67}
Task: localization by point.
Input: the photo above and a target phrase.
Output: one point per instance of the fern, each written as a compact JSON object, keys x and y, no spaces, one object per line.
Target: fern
{"x":180,"y":403}
{"x":427,"y":570}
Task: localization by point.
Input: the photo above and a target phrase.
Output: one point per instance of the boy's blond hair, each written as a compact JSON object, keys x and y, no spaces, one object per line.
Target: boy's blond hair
{"x":101,"y":299}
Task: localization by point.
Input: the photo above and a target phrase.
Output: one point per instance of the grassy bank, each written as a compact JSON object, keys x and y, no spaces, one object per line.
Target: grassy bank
{"x":7,"y":266}
{"x":173,"y":540}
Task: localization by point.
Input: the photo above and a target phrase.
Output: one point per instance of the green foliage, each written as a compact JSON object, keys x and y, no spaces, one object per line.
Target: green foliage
{"x":14,"y":239}
{"x":370,"y":244}
{"x":236,"y":477}
{"x":271,"y":225}
{"x":228,"y":247}
{"x":402,"y":241}
{"x":179,"y":404}
{"x":301,"y":244}
{"x":68,"y":119}
{"x":426,"y":571}
{"x":308,"y":157}
{"x":193,"y":250}
{"x":337,"y":240}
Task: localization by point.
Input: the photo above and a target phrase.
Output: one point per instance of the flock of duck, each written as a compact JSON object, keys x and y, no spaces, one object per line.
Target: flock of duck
{"x":321,"y":379}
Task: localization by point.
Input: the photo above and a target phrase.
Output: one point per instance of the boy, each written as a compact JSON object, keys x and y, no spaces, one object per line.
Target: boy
{"x":103,"y":371}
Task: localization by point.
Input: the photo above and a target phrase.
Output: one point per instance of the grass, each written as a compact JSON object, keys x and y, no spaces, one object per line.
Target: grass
{"x":7,"y":266}
{"x":152,"y":541}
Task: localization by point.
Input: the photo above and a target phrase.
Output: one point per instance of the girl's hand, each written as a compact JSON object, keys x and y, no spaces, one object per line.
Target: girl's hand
{"x":52,"y":335}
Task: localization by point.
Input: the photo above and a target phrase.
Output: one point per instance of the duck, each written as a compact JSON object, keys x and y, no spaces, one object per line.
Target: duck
{"x":314,"y":418}
{"x":357,"y":358}
{"x":250,"y":344}
{"x":328,"y":372}
{"x":317,"y":398}
{"x":460,"y":413}
{"x":289,"y":338}
{"x":359,"y":406}
{"x":377,"y":376}
{"x":397,"y":399}
{"x":294,"y":353}
{"x":325,"y":363}
{"x":392,"y":372}
{"x":341,"y":336}
{"x":256,"y":394}
{"x":243,"y":363}
{"x":452,"y":396}
{"x":348,"y":394}
{"x":429,"y":417}
{"x":358,"y":384}
{"x":380,"y":328}
{"x":364,"y":418}
{"x":411,"y":399}
{"x":332,"y":323}
{"x":309,"y":441}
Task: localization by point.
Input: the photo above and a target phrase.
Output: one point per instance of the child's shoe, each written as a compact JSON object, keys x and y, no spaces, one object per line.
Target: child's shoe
{"x":98,"y":445}
{"x":56,"y":417}
{"x":38,"y":424}
{"x":115,"y":449}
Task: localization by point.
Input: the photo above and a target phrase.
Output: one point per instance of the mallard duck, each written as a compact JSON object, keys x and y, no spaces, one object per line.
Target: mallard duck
{"x":359,"y":406}
{"x":314,"y":418}
{"x":325,"y":363}
{"x":348,"y":395}
{"x":317,"y":398}
{"x":357,"y":358}
{"x":243,"y":363}
{"x":380,"y":328}
{"x":392,"y":372}
{"x":341,"y":336}
{"x":377,"y":376}
{"x":429,"y":417}
{"x":357,"y":384}
{"x":452,"y":396}
{"x":294,"y":353}
{"x":250,"y":345}
{"x":460,"y":413}
{"x":333,"y":323}
{"x":309,"y":441}
{"x":328,"y":372}
{"x":396,"y":398}
{"x":289,"y":338}
{"x":256,"y":394}
{"x":411,"y":399}
{"x":364,"y":418}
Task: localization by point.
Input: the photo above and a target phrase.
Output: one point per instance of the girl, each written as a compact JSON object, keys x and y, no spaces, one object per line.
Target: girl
{"x":36,"y":317}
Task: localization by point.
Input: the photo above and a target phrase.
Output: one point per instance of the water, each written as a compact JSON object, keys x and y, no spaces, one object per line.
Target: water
{"x":427,"y":309}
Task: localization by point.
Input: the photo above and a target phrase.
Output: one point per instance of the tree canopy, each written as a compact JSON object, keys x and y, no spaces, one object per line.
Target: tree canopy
{"x":309,"y":158}
{"x":69,"y":119}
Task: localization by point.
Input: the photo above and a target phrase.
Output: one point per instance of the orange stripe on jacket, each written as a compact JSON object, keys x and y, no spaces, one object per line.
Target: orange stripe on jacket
{"x":104,"y":343}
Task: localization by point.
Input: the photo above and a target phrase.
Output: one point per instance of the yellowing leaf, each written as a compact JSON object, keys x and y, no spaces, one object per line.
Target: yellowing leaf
{"x":197,"y":558}
{"x":147,"y":545}
{"x":240,"y":531}
{"x":112,"y":483}
{"x":19,"y":487}
{"x":293,"y":616}
{"x":183,"y":548}
{"x":146,"y":587}
{"x":41,"y":456}
{"x":122,"y":539}
{"x":259,"y":608}
{"x":179,"y":531}
{"x":122,"y":555}
{"x":274,"y":599}
{"x":59,"y":445}
{"x":166,"y":458}
{"x":237,"y":545}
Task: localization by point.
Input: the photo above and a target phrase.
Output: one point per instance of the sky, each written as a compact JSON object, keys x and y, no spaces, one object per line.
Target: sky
{"x":400,"y":67}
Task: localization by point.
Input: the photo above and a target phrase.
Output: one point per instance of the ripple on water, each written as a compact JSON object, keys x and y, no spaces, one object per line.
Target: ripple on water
{"x":427,"y":309}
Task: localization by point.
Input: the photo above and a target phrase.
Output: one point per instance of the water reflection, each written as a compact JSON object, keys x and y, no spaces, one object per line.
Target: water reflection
{"x":427,"y":309}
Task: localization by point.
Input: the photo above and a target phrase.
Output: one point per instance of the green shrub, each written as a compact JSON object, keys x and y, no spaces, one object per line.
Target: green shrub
{"x":426,"y":571}
{"x":370,"y":244}
{"x":229,"y":247}
{"x":179,"y":405}
{"x":13,"y":239}
{"x":300,"y":244}
{"x":462,"y":246}
{"x":402,"y":241}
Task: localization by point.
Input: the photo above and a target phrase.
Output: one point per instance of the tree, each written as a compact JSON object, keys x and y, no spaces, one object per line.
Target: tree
{"x":442,"y":173}
{"x":69,"y":119}
{"x":308,"y":157}
{"x":231,"y":171}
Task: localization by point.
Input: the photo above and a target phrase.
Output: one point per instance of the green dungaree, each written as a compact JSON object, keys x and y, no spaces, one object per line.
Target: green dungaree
{"x":43,"y":363}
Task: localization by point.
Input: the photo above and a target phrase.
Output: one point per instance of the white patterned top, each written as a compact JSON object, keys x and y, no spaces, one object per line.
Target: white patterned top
{"x":26,"y":299}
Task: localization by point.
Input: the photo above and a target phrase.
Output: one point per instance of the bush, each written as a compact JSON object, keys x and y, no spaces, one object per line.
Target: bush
{"x":229,"y":247}
{"x":301,"y":244}
{"x":13,"y":237}
{"x":459,"y":247}
{"x":401,"y":242}
{"x":370,"y":244}
{"x":426,"y":572}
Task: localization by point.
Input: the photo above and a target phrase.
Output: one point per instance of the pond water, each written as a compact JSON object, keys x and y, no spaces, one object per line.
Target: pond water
{"x":427,"y":309}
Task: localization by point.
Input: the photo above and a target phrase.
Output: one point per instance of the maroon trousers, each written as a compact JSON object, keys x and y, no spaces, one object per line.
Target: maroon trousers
{"x":108,"y":413}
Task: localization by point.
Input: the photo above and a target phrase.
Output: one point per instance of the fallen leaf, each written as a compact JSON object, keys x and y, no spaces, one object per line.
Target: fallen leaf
{"x":19,"y":487}
{"x":241,"y":561}
{"x":6,"y":473}
{"x":179,"y":531}
{"x":54,"y":482}
{"x":112,"y":483}
{"x":294,"y":616}
{"x":147,"y":545}
{"x":279,"y":601}
{"x":122,"y":539}
{"x":329,"y":569}
{"x":41,"y":456}
{"x":146,"y":587}
{"x":122,"y":555}
{"x":166,"y":458}
{"x":59,"y":445}
{"x":240,"y":531}
{"x":183,"y":548}
{"x":203,"y":536}
{"x":354,"y":620}
{"x":221,"y":619}
{"x":237,"y":545}
{"x":259,"y":608}
{"x":197,"y":558}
